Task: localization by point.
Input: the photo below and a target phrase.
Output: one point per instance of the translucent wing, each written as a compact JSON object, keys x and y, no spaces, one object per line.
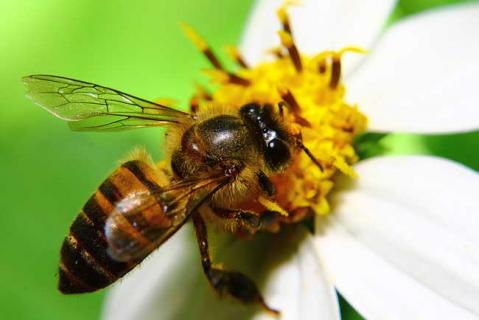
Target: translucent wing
{"x":141,"y":222}
{"x":91,"y":107}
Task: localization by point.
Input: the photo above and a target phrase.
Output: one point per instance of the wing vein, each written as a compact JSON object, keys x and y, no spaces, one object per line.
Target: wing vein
{"x":93,"y":107}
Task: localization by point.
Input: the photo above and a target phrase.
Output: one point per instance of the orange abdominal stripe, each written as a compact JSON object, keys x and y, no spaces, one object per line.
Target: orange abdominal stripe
{"x":86,"y":260}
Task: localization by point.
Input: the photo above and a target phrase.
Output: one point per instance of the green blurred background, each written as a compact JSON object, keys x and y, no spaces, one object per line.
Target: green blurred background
{"x":47,"y":172}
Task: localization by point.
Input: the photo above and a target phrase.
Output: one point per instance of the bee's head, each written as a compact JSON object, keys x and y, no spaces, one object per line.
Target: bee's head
{"x":264,"y":124}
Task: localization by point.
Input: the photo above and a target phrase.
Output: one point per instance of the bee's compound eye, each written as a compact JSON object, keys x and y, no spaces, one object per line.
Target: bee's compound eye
{"x":277,"y":154}
{"x":251,"y":110}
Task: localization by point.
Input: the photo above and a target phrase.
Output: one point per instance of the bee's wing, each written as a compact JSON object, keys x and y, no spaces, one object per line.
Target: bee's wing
{"x":142,"y":222}
{"x":91,"y":107}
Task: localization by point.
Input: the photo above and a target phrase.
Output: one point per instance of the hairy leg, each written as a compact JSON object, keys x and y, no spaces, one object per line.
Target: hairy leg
{"x":240,"y":221}
{"x":249,"y":222}
{"x":231,"y":283}
{"x":271,"y":221}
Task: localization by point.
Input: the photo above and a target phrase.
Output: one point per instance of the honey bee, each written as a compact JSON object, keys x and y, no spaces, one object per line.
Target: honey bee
{"x":220,"y":159}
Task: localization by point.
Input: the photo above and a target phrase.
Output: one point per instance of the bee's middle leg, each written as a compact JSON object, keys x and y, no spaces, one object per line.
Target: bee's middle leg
{"x":232,"y":283}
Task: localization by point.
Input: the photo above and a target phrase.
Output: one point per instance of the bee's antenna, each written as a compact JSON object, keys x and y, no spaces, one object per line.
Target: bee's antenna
{"x":312,"y":157}
{"x":299,"y":143}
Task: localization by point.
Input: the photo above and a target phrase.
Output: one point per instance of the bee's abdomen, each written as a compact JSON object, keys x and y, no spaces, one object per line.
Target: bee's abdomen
{"x":85,"y":264}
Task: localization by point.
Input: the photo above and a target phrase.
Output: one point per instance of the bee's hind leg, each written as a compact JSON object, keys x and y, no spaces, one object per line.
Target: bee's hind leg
{"x":234,"y":284}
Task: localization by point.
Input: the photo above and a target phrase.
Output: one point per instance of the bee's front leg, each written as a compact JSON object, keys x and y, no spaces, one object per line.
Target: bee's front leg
{"x":271,"y":221}
{"x":239,"y":220}
{"x":232,"y":283}
{"x":246,"y":222}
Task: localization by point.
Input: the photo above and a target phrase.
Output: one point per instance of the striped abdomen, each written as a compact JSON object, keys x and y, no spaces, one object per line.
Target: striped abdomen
{"x":86,"y":264}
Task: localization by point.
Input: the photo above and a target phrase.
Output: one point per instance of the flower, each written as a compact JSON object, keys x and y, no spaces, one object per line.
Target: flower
{"x":401,"y":240}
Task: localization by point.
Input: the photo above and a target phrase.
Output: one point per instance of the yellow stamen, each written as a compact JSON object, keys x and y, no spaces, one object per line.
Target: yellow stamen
{"x":352,"y":49}
{"x":318,"y":114}
{"x":236,"y":56}
{"x":197,"y":40}
{"x":202,"y":45}
{"x":286,"y":38}
{"x":220,"y":76}
{"x":276,"y":52}
{"x":217,"y":76}
{"x":202,"y":92}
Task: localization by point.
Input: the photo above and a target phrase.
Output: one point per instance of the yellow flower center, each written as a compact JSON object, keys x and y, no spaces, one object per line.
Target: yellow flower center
{"x":312,"y":89}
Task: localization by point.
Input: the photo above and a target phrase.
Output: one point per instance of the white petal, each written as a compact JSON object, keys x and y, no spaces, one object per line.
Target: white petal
{"x":403,"y":241}
{"x":171,"y":284}
{"x":422,"y":75}
{"x":298,"y":285}
{"x":317,"y":25}
{"x":151,"y":291}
